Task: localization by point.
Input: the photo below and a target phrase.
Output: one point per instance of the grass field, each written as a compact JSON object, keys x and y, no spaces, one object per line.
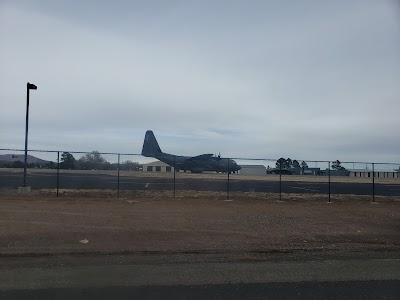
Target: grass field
{"x":134,"y":195}
{"x":212,"y":176}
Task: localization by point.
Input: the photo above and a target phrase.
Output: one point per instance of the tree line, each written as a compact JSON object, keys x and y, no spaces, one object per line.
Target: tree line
{"x":94,"y":161}
{"x":288,"y":163}
{"x":17,"y":164}
{"x":89,"y":161}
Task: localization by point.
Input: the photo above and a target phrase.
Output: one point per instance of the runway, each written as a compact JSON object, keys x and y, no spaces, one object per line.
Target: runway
{"x":216,"y":182}
{"x":360,"y":279}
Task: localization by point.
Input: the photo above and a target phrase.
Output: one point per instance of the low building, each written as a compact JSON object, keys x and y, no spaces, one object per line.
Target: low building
{"x":327,"y":172}
{"x":378,"y":173}
{"x":309,"y":171}
{"x":278,"y":171}
{"x":157,"y":166}
{"x":295,"y":171}
{"x":252,"y":170}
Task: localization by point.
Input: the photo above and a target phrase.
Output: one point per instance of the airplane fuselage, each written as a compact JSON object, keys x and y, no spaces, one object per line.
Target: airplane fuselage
{"x":207,"y":164}
{"x":195,"y":164}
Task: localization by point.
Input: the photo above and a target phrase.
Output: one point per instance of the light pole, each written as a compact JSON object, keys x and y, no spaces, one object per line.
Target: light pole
{"x":29,"y":86}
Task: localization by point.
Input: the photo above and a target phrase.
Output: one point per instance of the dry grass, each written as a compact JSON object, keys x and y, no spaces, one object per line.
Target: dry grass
{"x":214,"y":176}
{"x":191,"y":194}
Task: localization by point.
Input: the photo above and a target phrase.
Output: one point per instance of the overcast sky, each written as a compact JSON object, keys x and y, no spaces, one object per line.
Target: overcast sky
{"x":258,"y":79}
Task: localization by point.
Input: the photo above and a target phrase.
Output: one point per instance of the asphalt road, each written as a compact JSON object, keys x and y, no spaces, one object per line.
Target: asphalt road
{"x":47,"y":180}
{"x":334,"y":279}
{"x":303,"y":290}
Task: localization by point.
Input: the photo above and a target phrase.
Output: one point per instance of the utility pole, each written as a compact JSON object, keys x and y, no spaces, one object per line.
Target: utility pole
{"x":29,"y":86}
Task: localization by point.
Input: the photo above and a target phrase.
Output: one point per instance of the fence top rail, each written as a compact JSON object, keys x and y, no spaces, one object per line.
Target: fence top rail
{"x":237,"y":158}
{"x":74,"y":152}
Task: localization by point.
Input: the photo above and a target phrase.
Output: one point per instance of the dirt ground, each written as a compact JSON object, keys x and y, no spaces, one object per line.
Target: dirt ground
{"x":243,"y":229}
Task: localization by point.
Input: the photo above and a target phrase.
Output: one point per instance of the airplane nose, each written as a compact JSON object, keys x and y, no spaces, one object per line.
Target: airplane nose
{"x":236,"y":166}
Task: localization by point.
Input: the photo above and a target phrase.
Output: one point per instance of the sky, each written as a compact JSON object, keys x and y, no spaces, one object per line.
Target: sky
{"x":316,"y":80}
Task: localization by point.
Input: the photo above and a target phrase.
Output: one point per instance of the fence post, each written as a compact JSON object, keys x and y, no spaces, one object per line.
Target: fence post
{"x":118,"y":166}
{"x":174,"y":174}
{"x":329,"y":182}
{"x":58,"y":171}
{"x":373,"y":182}
{"x":228,"y":179}
{"x":280,"y":181}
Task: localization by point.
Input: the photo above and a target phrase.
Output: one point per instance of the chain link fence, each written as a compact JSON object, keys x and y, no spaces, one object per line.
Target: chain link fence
{"x":133,"y":175}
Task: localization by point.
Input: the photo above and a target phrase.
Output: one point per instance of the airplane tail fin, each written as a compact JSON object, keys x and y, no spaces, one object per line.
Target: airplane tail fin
{"x":150,"y":145}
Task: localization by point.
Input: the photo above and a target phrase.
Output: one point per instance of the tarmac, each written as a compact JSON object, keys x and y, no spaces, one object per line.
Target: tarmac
{"x":79,"y":180}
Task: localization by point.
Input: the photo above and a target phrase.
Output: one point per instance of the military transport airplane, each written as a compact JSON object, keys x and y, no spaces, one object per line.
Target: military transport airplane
{"x":195,"y":164}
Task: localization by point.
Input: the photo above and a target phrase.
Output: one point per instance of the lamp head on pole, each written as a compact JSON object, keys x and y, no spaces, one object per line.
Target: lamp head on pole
{"x":31,"y":86}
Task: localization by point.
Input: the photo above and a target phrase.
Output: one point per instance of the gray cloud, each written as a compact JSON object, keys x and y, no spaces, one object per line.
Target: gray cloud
{"x":310,"y":80}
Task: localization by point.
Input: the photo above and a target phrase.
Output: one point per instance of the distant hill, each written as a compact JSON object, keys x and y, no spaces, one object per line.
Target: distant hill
{"x":10,"y":158}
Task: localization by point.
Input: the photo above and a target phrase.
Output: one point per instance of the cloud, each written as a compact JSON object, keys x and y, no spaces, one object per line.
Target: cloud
{"x":264,"y":80}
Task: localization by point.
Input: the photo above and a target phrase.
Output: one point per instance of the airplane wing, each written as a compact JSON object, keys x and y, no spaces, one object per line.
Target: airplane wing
{"x":201,"y":157}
